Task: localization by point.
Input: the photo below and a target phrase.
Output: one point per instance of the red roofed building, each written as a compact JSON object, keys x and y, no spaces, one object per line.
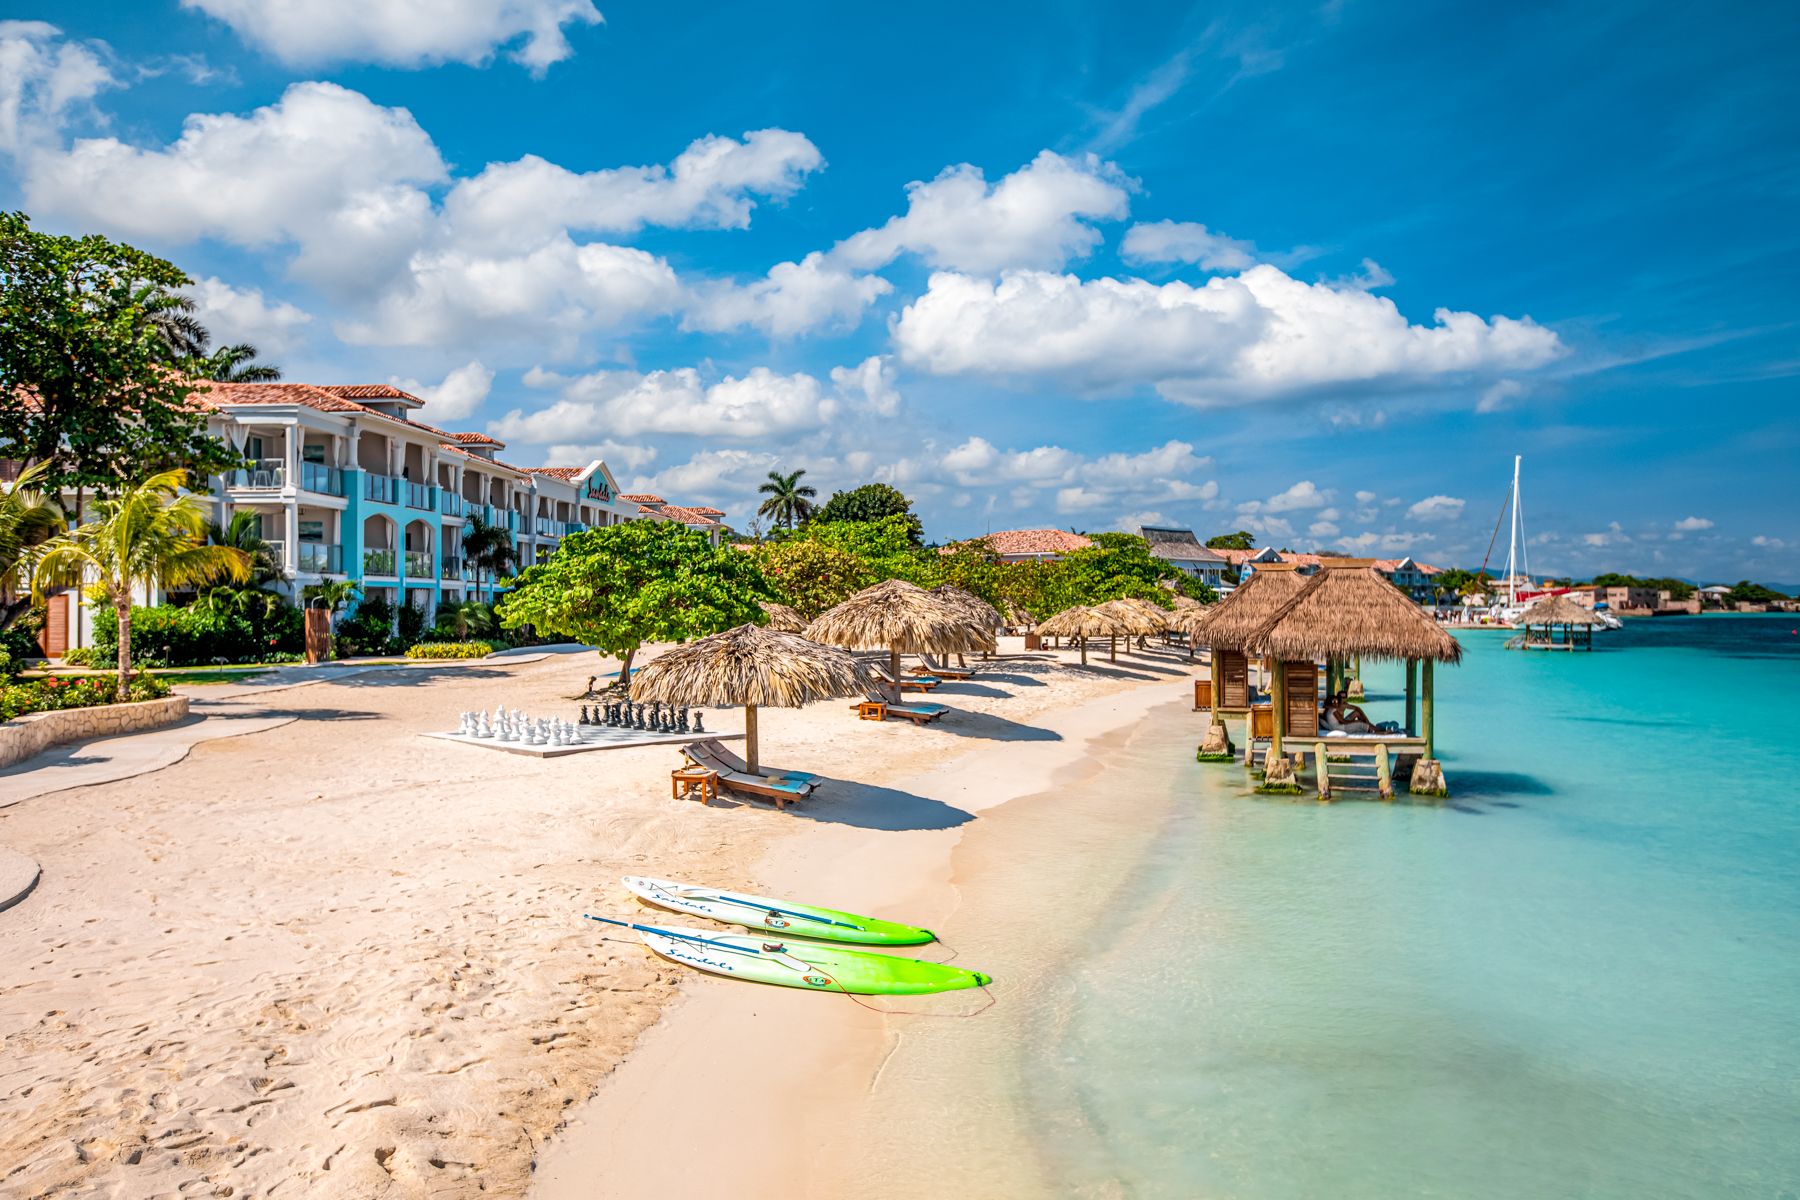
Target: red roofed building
{"x":1028,"y":545}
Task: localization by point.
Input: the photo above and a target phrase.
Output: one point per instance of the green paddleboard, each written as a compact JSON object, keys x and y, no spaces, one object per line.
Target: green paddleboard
{"x":806,"y":965}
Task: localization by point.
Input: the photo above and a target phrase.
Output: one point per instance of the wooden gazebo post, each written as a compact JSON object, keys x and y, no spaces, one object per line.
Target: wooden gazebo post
{"x":1278,"y":772}
{"x":1412,"y":683}
{"x":1428,"y":772}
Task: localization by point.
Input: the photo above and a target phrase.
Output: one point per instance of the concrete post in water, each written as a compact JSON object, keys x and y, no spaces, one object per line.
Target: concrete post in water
{"x":1384,"y":773}
{"x":1428,"y":773}
{"x":1217,"y":745}
{"x":1324,"y":771}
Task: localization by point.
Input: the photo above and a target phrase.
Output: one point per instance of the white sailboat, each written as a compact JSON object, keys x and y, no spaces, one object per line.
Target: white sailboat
{"x":1518,"y":559}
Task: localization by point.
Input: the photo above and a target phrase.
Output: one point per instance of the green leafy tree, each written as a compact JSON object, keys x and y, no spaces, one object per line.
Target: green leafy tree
{"x":149,"y":535}
{"x":93,"y":386}
{"x":885,"y":545}
{"x":243,"y":532}
{"x":1743,"y":591}
{"x":870,"y":502}
{"x":1195,"y":588}
{"x":332,"y":595}
{"x":789,"y":501}
{"x":1118,"y":565}
{"x":489,"y":548}
{"x":811,"y":576}
{"x":619,"y":586}
{"x":1243,"y":539}
{"x":1455,"y":581}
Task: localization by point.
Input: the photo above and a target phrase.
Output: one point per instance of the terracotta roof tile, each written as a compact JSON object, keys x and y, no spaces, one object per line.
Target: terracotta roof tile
{"x":563,"y":473}
{"x":1035,"y":541}
{"x":642,"y":498}
{"x":369,"y":391}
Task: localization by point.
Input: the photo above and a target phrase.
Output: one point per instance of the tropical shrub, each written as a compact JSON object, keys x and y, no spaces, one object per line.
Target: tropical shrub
{"x":368,"y":630}
{"x":199,"y":634}
{"x":450,"y":650}
{"x":7,"y":670}
{"x":410,"y":623}
{"x":43,"y":695}
{"x":80,"y":656}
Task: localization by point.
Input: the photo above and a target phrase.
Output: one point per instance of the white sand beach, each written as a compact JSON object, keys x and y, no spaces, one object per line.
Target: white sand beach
{"x":335,"y":957}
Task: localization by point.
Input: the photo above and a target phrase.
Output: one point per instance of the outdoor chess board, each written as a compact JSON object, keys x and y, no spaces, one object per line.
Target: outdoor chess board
{"x":589,"y":737}
{"x":551,"y":737}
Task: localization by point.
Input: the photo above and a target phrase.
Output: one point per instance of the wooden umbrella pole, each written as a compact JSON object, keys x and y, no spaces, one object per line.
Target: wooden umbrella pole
{"x":750,"y":752}
{"x":894,"y":670}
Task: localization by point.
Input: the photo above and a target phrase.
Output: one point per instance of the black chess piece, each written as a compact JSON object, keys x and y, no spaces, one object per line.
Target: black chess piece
{"x":698,"y":727}
{"x":681,"y":722}
{"x":584,"y":716}
{"x":612,"y":716}
{"x":637,"y":716}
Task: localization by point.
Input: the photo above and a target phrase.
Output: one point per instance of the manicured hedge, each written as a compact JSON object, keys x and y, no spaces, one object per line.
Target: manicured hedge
{"x":450,"y":650}
{"x":195,"y":635}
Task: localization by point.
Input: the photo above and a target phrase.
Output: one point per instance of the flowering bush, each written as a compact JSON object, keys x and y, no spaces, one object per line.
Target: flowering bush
{"x":46,"y":694}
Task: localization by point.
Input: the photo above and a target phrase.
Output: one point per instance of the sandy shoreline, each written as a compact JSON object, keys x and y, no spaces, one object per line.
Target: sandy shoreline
{"x":339,"y":958}
{"x":801,"y":1072}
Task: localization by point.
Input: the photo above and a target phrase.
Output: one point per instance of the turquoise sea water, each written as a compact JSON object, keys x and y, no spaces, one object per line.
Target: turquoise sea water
{"x":1580,"y":977}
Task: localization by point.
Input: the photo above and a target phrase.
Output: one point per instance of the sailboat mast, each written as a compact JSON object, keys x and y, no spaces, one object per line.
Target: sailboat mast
{"x":1512,"y":546}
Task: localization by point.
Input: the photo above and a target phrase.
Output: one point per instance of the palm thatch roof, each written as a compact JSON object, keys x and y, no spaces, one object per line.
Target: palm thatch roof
{"x":1016,"y":614}
{"x":1082,"y":622}
{"x":1559,"y":610}
{"x":1347,"y":610}
{"x":901,"y":617}
{"x":1137,"y":616}
{"x":1185,"y":603}
{"x":1231,"y":623}
{"x":984,"y":614}
{"x":782,"y":618}
{"x":749,"y":665}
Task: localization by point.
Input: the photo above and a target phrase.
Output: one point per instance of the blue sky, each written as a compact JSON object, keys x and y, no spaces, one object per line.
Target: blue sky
{"x":1319,"y":271}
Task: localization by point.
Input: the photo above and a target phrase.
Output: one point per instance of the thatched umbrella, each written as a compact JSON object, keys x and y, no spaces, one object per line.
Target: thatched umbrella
{"x":901,"y":618}
{"x":1083,"y":623}
{"x":751,"y":666}
{"x":1185,"y":603}
{"x":983,"y":615}
{"x":1017,"y":617}
{"x":782,"y":618}
{"x":1229,"y":624}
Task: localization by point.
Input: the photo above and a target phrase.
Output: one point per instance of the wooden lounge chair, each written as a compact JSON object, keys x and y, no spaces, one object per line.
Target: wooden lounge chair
{"x":943,"y":670}
{"x":781,"y":791}
{"x":910,"y":683}
{"x":724,"y":754}
{"x":877,"y":709}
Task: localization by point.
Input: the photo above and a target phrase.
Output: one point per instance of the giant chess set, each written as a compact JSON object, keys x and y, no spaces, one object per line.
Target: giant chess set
{"x":600,"y":727}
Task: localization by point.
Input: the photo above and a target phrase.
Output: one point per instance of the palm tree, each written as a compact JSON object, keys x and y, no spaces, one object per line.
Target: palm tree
{"x":237,"y":364}
{"x":487,"y":547}
{"x":150,"y":534}
{"x":789,"y":501}
{"x":471,"y":617}
{"x":28,"y":518}
{"x":242,"y":533}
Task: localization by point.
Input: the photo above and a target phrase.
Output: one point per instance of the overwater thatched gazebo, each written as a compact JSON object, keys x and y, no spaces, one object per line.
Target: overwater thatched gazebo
{"x":1082,"y":623}
{"x":1556,"y":623}
{"x":901,"y":618}
{"x":752,"y":666}
{"x":782,"y":619}
{"x":1346,"y":611}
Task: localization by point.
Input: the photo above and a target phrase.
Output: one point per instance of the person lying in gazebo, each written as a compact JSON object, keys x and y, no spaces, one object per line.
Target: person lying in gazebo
{"x":1341,"y":716}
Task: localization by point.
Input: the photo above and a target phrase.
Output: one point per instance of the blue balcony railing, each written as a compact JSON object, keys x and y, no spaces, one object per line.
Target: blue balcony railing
{"x":418,"y":495}
{"x":317,"y":477}
{"x":449,"y":503}
{"x":383,"y":489}
{"x":378,"y":562}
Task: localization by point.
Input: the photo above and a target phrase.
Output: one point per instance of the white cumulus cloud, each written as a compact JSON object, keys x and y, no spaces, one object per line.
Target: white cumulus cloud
{"x":793,"y":298}
{"x":233,"y":315}
{"x":1186,"y":242}
{"x":404,"y":33}
{"x":458,"y":396}
{"x":1692,"y":525}
{"x":1233,"y":338}
{"x":1038,"y":216}
{"x":43,"y":77}
{"x":1436,"y":508}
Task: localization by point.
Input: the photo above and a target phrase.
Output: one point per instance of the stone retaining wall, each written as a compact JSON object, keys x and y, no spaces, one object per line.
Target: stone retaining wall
{"x":34,"y":733}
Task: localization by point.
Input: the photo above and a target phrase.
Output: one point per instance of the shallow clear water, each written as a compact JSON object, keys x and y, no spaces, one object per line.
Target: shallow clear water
{"x":1579,"y":977}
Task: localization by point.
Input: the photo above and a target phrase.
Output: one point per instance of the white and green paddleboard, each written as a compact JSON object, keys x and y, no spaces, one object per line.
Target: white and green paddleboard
{"x":786,"y":917}
{"x":804,"y":965}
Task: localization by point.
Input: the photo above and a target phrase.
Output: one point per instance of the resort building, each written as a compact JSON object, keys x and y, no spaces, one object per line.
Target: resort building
{"x":1408,"y":574}
{"x":705,"y":520}
{"x":347,"y":483}
{"x":1636,"y":600}
{"x":1029,"y":545}
{"x":1183,"y":551}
